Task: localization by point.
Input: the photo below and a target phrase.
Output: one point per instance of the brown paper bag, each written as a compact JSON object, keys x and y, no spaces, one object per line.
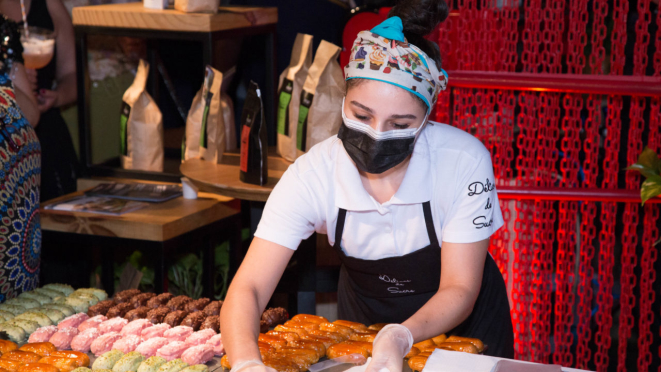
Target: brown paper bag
{"x":197,"y":6}
{"x":227,"y":107}
{"x":320,"y":111}
{"x":205,"y":130}
{"x":141,"y":127}
{"x":291,"y":83}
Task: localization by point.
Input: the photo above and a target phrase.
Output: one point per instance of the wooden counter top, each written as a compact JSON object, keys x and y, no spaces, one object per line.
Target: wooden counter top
{"x":136,"y":16}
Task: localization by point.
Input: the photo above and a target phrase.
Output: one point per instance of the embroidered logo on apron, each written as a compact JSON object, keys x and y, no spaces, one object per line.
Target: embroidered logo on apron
{"x":398,"y":285}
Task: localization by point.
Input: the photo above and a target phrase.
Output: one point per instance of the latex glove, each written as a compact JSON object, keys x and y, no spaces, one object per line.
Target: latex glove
{"x":390,"y":346}
{"x":253,"y":365}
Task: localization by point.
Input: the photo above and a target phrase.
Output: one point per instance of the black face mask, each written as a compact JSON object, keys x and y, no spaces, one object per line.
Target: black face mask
{"x":374,"y":156}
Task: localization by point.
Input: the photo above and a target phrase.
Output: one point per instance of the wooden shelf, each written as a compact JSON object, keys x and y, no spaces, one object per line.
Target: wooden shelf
{"x":136,"y":16}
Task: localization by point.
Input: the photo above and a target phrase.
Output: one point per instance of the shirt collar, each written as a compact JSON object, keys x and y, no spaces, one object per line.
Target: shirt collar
{"x":415,"y":188}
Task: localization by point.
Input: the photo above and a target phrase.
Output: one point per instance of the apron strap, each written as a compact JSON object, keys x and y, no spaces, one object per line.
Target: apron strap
{"x":339,"y":228}
{"x":429,"y":222}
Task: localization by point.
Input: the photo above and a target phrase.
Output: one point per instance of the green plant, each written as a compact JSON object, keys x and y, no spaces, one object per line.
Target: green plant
{"x":649,"y":165}
{"x":185,"y":276}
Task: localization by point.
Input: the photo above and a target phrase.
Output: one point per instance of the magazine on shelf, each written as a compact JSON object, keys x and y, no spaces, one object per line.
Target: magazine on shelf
{"x":146,"y":192}
{"x":98,"y":204}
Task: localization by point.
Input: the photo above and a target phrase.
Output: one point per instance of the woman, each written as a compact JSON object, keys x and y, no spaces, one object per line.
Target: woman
{"x":387,"y":190}
{"x":55,"y":87}
{"x":20,"y":231}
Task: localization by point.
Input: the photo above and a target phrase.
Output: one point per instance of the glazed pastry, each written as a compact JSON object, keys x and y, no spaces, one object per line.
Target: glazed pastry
{"x":199,"y":354}
{"x":274,"y":341}
{"x":179,"y":333}
{"x":22,"y":356}
{"x":35,"y":316}
{"x":92,"y":322}
{"x":141,"y":299}
{"x":65,"y":309}
{"x":82,"y":360}
{"x":42,"y":334}
{"x":175,"y":318}
{"x":309,"y":318}
{"x":301,"y":324}
{"x":353,"y":325}
{"x":281,"y":364}
{"x":73,"y":321}
{"x":42,"y":299}
{"x":173,"y":350}
{"x":107,"y":360}
{"x":275,"y":316}
{"x":377,"y":327}
{"x":16,"y":334}
{"x":10,"y":365}
{"x":63,"y":337}
{"x":83,"y":341}
{"x":54,"y":315}
{"x":287,"y":336}
{"x":439,"y":339}
{"x":37,"y":367}
{"x":213,"y":308}
{"x":29,"y":326}
{"x":104,"y":343}
{"x":7,"y":346}
{"x":263,"y":326}
{"x":136,"y":327}
{"x":324,"y":340}
{"x":365,"y":345}
{"x":194,"y":320}
{"x":196,"y":368}
{"x":82,"y":369}
{"x":160,"y":300}
{"x":300,"y":361}
{"x":64,"y":288}
{"x":413,"y":352}
{"x":225,"y":362}
{"x":126,"y":296}
{"x":100,"y":294}
{"x":63,"y":364}
{"x":112,"y":325}
{"x":199,"y":338}
{"x":211,"y":322}
{"x":476,"y":342}
{"x":465,"y":347}
{"x":119,"y":310}
{"x":330,"y":327}
{"x":217,"y":343}
{"x":139,"y":313}
{"x":317,"y":346}
{"x":178,"y":303}
{"x":48,"y":292}
{"x":425,"y":344}
{"x":172,"y":366}
{"x":417,"y":363}
{"x":336,"y":337}
{"x":310,"y":355}
{"x":129,"y":362}
{"x":151,"y":364}
{"x":342,"y":349}
{"x":300,"y":331}
{"x":41,"y":348}
{"x":368,"y":336}
{"x":156,"y":331}
{"x":157,"y":315}
{"x":101,"y":308}
{"x":127,"y":343}
{"x":149,"y":347}
{"x":197,"y":305}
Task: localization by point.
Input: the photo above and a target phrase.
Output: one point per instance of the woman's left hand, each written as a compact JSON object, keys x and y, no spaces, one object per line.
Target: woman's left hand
{"x":392,"y":343}
{"x":47,"y":99}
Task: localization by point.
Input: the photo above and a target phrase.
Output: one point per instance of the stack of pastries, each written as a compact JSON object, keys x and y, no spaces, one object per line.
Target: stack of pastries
{"x":41,"y":357}
{"x":303,"y":340}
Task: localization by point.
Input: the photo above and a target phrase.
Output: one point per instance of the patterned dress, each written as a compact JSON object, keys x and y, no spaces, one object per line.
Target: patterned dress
{"x":20,"y":162}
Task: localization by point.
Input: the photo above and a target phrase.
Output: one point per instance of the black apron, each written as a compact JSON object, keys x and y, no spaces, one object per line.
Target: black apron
{"x":391,"y":290}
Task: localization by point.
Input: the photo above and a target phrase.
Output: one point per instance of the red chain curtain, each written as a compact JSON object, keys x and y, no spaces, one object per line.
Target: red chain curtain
{"x":581,"y":274}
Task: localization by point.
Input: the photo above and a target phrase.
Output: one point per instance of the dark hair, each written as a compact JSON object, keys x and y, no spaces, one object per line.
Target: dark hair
{"x":420,"y":18}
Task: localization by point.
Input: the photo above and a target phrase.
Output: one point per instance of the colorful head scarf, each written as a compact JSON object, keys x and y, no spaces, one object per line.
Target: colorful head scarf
{"x":383,"y":54}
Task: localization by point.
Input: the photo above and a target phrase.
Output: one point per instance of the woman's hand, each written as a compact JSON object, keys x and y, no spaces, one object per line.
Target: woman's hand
{"x":47,"y":99}
{"x":392,"y":343}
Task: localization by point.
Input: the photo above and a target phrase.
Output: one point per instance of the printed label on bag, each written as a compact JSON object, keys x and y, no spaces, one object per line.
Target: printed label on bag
{"x":302,"y":128}
{"x":245,"y":144}
{"x":123,"y":124}
{"x":284,"y":98}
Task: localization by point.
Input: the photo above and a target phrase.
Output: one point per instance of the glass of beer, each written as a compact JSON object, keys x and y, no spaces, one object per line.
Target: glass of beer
{"x":38,"y":47}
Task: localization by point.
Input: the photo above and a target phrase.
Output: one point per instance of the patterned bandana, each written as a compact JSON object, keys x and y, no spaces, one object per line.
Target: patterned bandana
{"x":383,"y":54}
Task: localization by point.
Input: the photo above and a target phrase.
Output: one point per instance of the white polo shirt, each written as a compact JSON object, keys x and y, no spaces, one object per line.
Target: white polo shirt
{"x":449,"y":167}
